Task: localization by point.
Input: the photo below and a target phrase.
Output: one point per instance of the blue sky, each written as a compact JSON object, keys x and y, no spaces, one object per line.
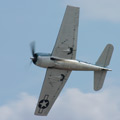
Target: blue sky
{"x":22,"y":21}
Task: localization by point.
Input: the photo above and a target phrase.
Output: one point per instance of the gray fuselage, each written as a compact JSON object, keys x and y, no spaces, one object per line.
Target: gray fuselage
{"x":48,"y":61}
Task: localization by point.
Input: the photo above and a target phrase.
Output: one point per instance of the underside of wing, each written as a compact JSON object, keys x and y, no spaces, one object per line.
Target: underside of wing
{"x":54,"y":82}
{"x":66,"y":43}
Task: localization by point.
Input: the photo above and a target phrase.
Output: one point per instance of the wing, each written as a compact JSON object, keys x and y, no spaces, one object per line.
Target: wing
{"x":66,"y":43}
{"x":55,"y":80}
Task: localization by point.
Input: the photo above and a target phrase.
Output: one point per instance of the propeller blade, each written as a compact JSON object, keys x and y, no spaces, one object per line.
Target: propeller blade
{"x":34,"y":55}
{"x":32,"y":45}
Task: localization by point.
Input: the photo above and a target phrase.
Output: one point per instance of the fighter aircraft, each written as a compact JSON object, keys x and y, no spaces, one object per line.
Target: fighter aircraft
{"x":62,"y":61}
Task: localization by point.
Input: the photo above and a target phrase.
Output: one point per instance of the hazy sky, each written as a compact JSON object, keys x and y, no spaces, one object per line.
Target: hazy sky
{"x":23,"y":21}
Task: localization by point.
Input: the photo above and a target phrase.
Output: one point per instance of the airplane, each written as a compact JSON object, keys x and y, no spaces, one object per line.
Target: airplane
{"x":62,"y":61}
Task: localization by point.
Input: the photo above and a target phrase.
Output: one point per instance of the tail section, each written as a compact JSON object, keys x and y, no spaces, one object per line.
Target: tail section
{"x":99,"y":77}
{"x":105,"y":57}
{"x":103,"y":61}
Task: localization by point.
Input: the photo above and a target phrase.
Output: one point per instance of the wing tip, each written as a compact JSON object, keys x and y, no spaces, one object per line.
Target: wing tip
{"x":40,"y":114}
{"x":70,"y":6}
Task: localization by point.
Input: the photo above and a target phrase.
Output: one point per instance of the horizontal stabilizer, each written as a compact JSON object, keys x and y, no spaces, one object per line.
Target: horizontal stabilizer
{"x":105,"y":57}
{"x":99,"y":77}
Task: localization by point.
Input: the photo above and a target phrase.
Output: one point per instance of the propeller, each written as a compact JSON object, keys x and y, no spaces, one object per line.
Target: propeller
{"x":34,"y":55}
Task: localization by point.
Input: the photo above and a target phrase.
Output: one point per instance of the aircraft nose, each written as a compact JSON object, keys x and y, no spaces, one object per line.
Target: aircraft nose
{"x":34,"y":58}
